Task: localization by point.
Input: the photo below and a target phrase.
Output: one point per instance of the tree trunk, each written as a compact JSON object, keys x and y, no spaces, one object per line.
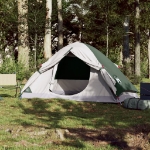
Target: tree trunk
{"x":47,"y":39}
{"x":107,"y":31}
{"x":60,"y":25}
{"x":126,"y":52}
{"x":137,"y":40}
{"x":107,"y":48}
{"x":121,"y":56}
{"x":149,"y":55}
{"x":23,"y":41}
{"x":35,"y":49}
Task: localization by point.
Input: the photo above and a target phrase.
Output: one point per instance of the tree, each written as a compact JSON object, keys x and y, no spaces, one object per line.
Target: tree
{"x":103,"y":25}
{"x":8,"y":25}
{"x":60,"y":24}
{"x":23,"y":41}
{"x":126,"y":40}
{"x":149,"y":54}
{"x":145,"y":19}
{"x":36,"y":23}
{"x":47,"y":38}
{"x":76,"y":11}
{"x":137,"y":39}
{"x":126,"y":52}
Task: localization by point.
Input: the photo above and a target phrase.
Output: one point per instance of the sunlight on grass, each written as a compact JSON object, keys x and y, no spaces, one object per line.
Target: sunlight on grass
{"x":32,"y":123}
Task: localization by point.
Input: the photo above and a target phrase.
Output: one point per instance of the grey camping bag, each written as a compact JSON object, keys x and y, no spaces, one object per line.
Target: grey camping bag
{"x":136,"y":103}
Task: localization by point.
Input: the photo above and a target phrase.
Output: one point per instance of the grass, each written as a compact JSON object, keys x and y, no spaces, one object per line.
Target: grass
{"x":33,"y":124}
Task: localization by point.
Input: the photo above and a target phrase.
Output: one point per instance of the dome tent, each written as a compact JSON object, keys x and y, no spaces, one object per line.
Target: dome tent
{"x":79,"y":72}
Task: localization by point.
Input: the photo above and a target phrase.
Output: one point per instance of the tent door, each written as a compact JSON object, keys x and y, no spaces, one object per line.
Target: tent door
{"x":71,"y":77}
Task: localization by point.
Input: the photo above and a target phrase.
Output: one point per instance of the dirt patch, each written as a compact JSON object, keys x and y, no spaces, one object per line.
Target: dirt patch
{"x":135,"y":138}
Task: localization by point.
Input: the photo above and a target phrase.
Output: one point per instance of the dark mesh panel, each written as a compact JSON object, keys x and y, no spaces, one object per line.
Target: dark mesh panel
{"x":72,"y":68}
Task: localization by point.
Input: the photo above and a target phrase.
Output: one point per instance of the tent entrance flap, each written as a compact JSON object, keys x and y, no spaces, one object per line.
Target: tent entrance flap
{"x":72,"y":76}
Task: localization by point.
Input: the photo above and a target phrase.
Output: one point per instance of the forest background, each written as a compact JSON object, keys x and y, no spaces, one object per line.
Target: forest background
{"x":31,"y":31}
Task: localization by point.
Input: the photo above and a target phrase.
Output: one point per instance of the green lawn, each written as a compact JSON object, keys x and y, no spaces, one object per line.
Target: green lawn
{"x":69,"y":125}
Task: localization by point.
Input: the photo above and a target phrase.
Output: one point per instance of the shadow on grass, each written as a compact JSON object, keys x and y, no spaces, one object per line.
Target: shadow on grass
{"x":6,"y":95}
{"x":133,"y":138}
{"x":95,"y":123}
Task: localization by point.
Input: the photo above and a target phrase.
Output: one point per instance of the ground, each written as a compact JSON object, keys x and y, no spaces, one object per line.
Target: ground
{"x":45,"y":124}
{"x":135,"y":138}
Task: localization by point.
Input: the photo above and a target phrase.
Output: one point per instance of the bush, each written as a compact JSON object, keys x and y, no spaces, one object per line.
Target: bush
{"x":9,"y":66}
{"x":144,"y":68}
{"x":21,"y":73}
{"x":135,"y":79}
{"x":129,"y":71}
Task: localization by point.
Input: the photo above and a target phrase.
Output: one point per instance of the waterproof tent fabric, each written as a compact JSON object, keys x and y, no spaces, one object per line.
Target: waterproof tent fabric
{"x":55,"y":59}
{"x":53,"y":77}
{"x":122,"y":83}
{"x":103,"y":85}
{"x":42,"y":83}
{"x":64,"y":87}
{"x":109,"y":80}
{"x":85,"y":55}
{"x":31,"y":80}
{"x":79,"y":50}
{"x":72,"y":76}
{"x":101,"y":92}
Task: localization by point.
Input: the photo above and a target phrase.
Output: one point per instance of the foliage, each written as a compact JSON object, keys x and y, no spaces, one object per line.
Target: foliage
{"x":9,"y":66}
{"x":36,"y":22}
{"x":8,"y":23}
{"x":144,"y":68}
{"x":91,"y":18}
{"x":22,"y":73}
{"x":135,"y":79}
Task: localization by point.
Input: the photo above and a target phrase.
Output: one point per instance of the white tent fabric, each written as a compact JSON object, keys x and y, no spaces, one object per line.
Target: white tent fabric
{"x":54,"y":59}
{"x":87,"y":56}
{"x":109,"y":80}
{"x":64,"y":87}
{"x":44,"y":85}
{"x":101,"y":92}
{"x":31,"y":80}
{"x":53,"y":77}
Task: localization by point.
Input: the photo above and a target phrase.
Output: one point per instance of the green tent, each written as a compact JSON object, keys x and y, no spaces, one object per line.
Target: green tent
{"x":79,"y":72}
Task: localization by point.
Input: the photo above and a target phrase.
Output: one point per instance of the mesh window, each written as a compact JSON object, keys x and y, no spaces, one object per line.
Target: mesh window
{"x":72,"y":68}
